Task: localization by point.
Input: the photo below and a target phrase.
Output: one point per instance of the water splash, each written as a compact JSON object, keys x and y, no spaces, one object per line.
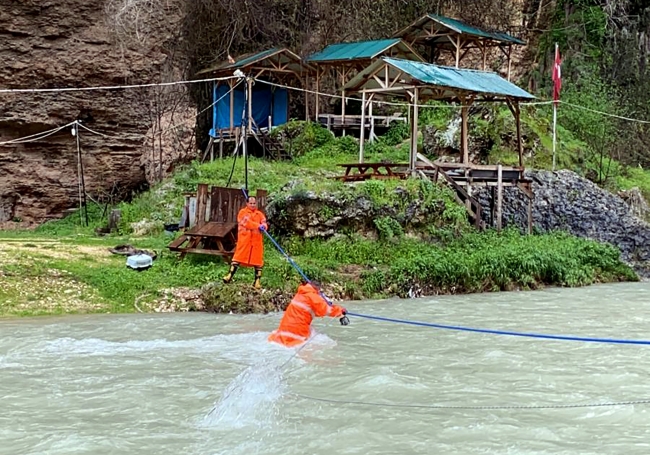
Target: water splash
{"x":250,"y":399}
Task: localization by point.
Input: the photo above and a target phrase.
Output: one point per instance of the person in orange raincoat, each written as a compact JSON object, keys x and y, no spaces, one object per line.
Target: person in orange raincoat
{"x":295,"y":326}
{"x":249,"y":251}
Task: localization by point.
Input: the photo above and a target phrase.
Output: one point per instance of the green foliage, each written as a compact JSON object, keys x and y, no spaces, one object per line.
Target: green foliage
{"x":438,"y":115}
{"x":637,"y":177}
{"x":397,"y":133}
{"x":388,"y":227}
{"x":300,"y":137}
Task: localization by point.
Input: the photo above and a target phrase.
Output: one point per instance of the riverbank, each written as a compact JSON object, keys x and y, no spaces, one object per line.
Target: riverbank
{"x":49,"y":275}
{"x":367,"y":240}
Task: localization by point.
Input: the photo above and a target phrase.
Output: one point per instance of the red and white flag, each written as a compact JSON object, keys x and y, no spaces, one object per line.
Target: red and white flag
{"x":557,"y":75}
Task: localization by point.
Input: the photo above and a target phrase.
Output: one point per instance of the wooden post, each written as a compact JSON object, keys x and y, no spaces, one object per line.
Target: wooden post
{"x":520,"y":144}
{"x":362,"y":134}
{"x":201,"y":203}
{"x":220,"y":145}
{"x":414,"y":133}
{"x":483,"y":48}
{"x":317,"y":95}
{"x":530,"y":216}
{"x":464,"y":133}
{"x":250,"y":106}
{"x":499,"y":195}
{"x":492,"y":205}
{"x":372,"y":121}
{"x":458,"y":51}
{"x":232,"y":104}
{"x":509,"y":54}
{"x":114,"y":220}
{"x":343,"y":111}
{"x":307,"y":98}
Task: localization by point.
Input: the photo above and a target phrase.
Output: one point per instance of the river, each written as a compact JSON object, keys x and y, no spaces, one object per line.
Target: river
{"x":202,"y":384}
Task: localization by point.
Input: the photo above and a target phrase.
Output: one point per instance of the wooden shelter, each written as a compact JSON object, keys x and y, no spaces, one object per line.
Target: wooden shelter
{"x":439,"y":34}
{"x":418,"y":82}
{"x":342,"y":61}
{"x":212,"y":218}
{"x":261,"y":111}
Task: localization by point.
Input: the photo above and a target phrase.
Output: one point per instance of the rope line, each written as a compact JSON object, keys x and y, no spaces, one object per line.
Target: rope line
{"x":502,"y":332}
{"x":37,"y":136}
{"x":467,"y":407}
{"x":111,"y":87}
{"x":390,"y":103}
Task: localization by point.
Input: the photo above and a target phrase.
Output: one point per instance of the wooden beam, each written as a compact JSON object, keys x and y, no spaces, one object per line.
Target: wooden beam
{"x":317,"y":96}
{"x":520,"y":143}
{"x":201,"y":203}
{"x":362,"y":133}
{"x":414,"y":133}
{"x":499,"y":196}
{"x":464,"y":143}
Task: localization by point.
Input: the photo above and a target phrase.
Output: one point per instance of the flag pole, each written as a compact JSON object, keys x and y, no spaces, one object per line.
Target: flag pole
{"x":554,"y":109}
{"x":554,"y":130}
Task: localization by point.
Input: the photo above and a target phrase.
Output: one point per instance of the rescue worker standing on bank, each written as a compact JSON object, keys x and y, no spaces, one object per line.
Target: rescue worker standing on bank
{"x":249,"y":251}
{"x":295,"y":326}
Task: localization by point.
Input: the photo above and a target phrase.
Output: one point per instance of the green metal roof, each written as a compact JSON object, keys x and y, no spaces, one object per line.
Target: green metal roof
{"x":247,"y":60}
{"x":462,"y":27}
{"x":455,"y":25}
{"x":353,"y":51}
{"x":474,"y":81}
{"x":282,"y":55}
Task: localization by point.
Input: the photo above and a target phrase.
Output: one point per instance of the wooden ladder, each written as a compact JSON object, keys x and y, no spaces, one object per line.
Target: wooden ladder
{"x":272,"y":146}
{"x":473,"y":207}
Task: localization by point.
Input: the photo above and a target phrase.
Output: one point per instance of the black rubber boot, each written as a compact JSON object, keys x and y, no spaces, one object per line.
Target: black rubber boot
{"x":258,"y":276}
{"x":231,"y":273}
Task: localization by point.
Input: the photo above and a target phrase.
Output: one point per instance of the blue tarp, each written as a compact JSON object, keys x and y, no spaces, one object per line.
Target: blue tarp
{"x":266,"y":101}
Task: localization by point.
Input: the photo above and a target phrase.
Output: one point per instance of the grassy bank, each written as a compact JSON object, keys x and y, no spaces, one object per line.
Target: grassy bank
{"x":64,"y":267}
{"x":77,"y":274}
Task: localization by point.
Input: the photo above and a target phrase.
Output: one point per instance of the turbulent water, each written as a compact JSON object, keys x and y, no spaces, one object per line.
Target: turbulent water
{"x":208,"y":384}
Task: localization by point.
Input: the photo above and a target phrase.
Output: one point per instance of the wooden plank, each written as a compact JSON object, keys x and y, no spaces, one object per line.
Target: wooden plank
{"x":192,"y":207}
{"x":210,"y":252}
{"x":178,"y":242}
{"x":499,"y":198}
{"x":201,"y":203}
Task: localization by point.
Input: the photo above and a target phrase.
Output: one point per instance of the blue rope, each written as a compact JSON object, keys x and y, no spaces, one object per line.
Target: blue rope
{"x":501,"y":332}
{"x":458,"y":327}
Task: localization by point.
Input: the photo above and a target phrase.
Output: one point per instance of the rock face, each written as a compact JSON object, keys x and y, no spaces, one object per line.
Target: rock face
{"x":66,"y":43}
{"x":565,"y":201}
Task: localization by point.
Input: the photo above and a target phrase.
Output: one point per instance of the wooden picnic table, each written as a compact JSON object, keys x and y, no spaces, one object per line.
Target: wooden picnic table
{"x":211,"y":237}
{"x":364,"y":171}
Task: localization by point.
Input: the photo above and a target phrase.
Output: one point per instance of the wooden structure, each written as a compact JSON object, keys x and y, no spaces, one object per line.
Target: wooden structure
{"x":419,"y":82}
{"x":355,"y":172}
{"x":213,"y":230}
{"x":338,"y":63}
{"x":275,"y":66}
{"x":439,"y":34}
{"x":464,"y":179}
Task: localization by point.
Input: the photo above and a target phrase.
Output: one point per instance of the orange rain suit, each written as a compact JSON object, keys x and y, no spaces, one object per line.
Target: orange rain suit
{"x":295,"y":326}
{"x":250,"y":241}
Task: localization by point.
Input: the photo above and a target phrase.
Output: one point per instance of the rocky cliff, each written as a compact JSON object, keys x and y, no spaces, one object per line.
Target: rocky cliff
{"x":69,"y":43}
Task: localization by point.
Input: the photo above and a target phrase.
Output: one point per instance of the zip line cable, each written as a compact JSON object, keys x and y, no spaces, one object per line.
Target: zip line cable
{"x":112,"y":87}
{"x":468,"y":407}
{"x":429,"y":106}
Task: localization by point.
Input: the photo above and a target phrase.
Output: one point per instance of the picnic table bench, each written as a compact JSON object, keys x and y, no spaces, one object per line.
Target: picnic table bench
{"x":365,"y":171}
{"x":211,"y":237}
{"x":215,"y":234}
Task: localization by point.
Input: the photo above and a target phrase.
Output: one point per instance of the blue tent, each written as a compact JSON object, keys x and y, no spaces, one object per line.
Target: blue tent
{"x":267,"y":102}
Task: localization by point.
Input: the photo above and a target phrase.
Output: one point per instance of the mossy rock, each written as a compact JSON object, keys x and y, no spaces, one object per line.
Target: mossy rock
{"x":243,"y":298}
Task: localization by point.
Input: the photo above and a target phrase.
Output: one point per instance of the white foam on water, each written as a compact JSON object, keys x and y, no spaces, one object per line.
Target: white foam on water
{"x":252,"y":398}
